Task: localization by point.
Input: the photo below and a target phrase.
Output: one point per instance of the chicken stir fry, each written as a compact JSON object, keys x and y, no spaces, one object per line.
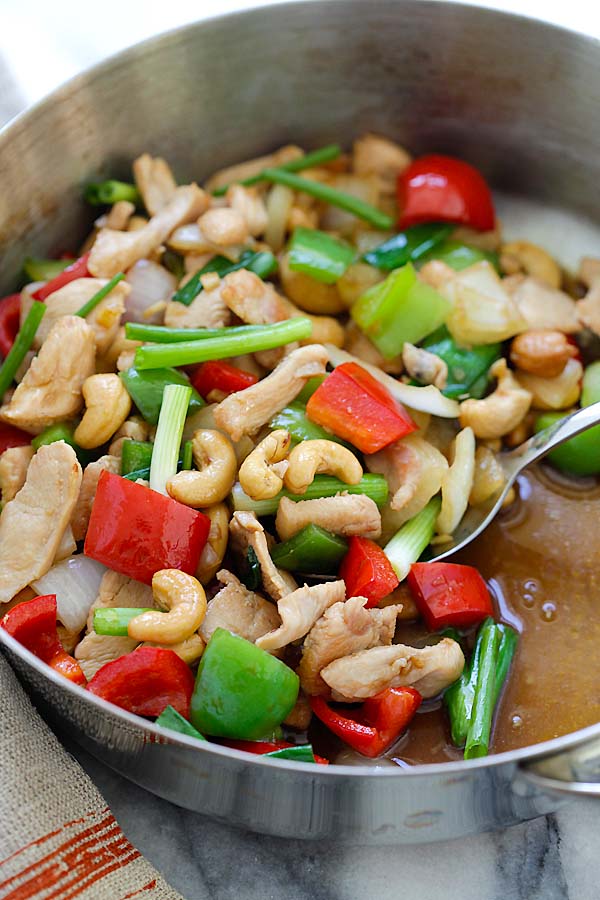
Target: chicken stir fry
{"x":231,"y":427}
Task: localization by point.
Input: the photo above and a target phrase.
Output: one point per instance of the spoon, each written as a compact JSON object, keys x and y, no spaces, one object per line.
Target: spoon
{"x":477,"y":518}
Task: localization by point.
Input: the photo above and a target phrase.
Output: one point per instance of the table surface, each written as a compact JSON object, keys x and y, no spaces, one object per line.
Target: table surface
{"x":551,"y":858}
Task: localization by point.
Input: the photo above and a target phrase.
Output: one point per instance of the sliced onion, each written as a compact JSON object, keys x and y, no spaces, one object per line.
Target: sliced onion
{"x":425,"y":399}
{"x":279,"y":202}
{"x":150,"y":284}
{"x":76,"y":583}
{"x":482,"y":310}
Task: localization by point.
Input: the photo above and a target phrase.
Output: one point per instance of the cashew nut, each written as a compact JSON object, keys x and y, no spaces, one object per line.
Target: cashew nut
{"x":107,"y":406}
{"x":216,"y":462}
{"x":190,"y":650}
{"x":216,"y":545}
{"x":223,"y":226}
{"x":261,"y":473}
{"x":541,"y":352}
{"x":502,"y":411}
{"x":310,"y":458}
{"x":523,"y":256}
{"x":183,"y":599}
{"x":424,"y":366}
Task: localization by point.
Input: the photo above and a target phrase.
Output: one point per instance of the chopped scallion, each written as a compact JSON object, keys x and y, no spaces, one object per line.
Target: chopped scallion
{"x":115,"y":620}
{"x":187,"y":455}
{"x":105,"y":193}
{"x":161,"y":334}
{"x":373,"y":486}
{"x":407,"y":246}
{"x":22,"y":344}
{"x":93,"y":302}
{"x":262,"y":263}
{"x":408,"y":543}
{"x":314,"y":158}
{"x":171,"y":420}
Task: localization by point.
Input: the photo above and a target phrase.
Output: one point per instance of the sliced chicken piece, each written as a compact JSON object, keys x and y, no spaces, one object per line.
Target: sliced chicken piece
{"x":345,"y":514}
{"x":207,"y":310}
{"x":13,"y":470}
{"x":154,"y":181}
{"x":246,"y":531}
{"x":376,"y":155}
{"x":118,"y":216}
{"x":51,"y":389}
{"x":83,"y":508}
{"x":300,"y":610}
{"x":251,"y":167}
{"x":253,"y":300}
{"x":66,"y":301}
{"x":588,"y":309}
{"x":32,"y":525}
{"x":238,"y":610}
{"x":343,"y":629}
{"x":301,"y":714}
{"x":117,"y":251}
{"x":246,"y":411}
{"x":251,"y":206}
{"x":430,"y":670}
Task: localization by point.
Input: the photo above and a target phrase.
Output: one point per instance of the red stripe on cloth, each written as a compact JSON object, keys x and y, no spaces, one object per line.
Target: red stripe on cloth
{"x":113,"y":856}
{"x":52,"y":834}
{"x":97,"y":875}
{"x":147,"y":887}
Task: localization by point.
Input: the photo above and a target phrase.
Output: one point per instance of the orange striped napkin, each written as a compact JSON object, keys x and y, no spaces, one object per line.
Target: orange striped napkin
{"x":58,"y":839}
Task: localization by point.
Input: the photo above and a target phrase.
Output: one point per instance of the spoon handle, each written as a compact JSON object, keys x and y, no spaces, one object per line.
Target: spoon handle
{"x":545,"y":441}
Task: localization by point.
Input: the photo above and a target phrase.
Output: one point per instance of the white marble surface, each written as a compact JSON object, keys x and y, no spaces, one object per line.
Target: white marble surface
{"x":552,"y":858}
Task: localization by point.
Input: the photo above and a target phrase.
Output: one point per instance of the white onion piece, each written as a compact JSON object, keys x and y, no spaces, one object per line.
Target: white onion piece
{"x":76,"y":583}
{"x":425,"y":399}
{"x":150,"y":284}
{"x":279,"y":202}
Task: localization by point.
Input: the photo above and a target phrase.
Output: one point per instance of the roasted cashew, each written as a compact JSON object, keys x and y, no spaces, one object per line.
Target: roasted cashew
{"x":261,"y":473}
{"x":519,"y":256}
{"x":107,"y":406}
{"x":216,"y":462}
{"x":310,"y":458}
{"x":190,"y":650}
{"x":502,"y":411}
{"x":216,"y":545}
{"x":542,"y":352}
{"x":183,"y":599}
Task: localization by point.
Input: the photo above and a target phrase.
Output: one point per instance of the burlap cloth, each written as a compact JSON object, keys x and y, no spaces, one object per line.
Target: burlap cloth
{"x":58,"y":838}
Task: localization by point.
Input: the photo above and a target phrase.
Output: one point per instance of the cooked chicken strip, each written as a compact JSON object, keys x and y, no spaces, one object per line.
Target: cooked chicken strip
{"x":253,"y":300}
{"x":343,"y":629}
{"x":300,"y":610}
{"x":246,"y":531}
{"x":32,"y":525}
{"x":83,"y":508}
{"x":238,"y":610}
{"x":154,"y":181}
{"x":207,"y":310}
{"x":250,"y":167}
{"x":13,"y":470}
{"x":117,"y":251}
{"x":363,"y":674}
{"x":345,"y":514}
{"x":51,"y":389}
{"x":246,"y":411}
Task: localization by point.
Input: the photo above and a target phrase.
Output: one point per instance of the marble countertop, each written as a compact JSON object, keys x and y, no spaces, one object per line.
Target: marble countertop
{"x":556,"y":857}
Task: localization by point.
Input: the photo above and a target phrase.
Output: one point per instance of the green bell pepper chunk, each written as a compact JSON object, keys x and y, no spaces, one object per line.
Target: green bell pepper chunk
{"x":313,"y":550}
{"x":145,"y":387}
{"x":62,"y":431}
{"x":241,"y":691}
{"x":294,"y":419}
{"x":301,"y":753}
{"x":459,"y":256}
{"x":309,"y":388}
{"x":138,"y":473}
{"x":399,"y":309}
{"x":115,"y":620}
{"x":135,"y":455}
{"x":174,"y":721}
{"x":44,"y":269}
{"x":262,"y":264}
{"x":467,"y":367}
{"x":318,"y":255}
{"x":408,"y":246}
{"x":251,"y":573}
{"x":590,"y":388}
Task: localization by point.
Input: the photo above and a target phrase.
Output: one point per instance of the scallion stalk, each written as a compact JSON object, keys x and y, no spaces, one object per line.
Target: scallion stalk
{"x":407,"y":246}
{"x":408,"y":543}
{"x":161,"y":334}
{"x":93,"y":302}
{"x":480,"y":726}
{"x":171,"y":420}
{"x":506,"y":650}
{"x":459,"y":699}
{"x":373,"y":486}
{"x":115,"y":620}
{"x":22,"y":344}
{"x":314,"y":158}
{"x":327,"y":194}
{"x":187,"y":455}
{"x":105,"y":193}
{"x":188,"y":352}
{"x":262,"y":263}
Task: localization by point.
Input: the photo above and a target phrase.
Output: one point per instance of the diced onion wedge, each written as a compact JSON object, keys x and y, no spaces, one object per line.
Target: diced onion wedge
{"x":76,"y":583}
{"x":482,"y":312}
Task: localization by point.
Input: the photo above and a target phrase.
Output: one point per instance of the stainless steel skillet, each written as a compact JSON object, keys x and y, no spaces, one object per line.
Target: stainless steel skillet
{"x":517,"y":97}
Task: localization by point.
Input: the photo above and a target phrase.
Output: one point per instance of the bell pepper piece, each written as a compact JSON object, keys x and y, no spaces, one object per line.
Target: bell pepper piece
{"x":293,"y":419}
{"x":217,"y":375}
{"x":146,"y":389}
{"x":319,"y":255}
{"x":78,"y":269}
{"x":399,"y":309}
{"x":353,"y":405}
{"x":313,"y":551}
{"x":449,"y":594}
{"x":10,"y":320}
{"x":135,"y":455}
{"x":367,"y":571}
{"x":459,"y":256}
{"x":407,"y":246}
{"x":136,"y":531}
{"x":174,"y":721}
{"x":12,"y":437}
{"x":436,"y":188}
{"x":145,"y":681}
{"x":467,"y":367}
{"x":241,"y":691}
{"x":377,"y":724}
{"x":33,"y":624}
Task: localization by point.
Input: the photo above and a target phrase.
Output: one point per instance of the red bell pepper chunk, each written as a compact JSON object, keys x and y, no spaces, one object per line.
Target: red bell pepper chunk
{"x":136,"y":531}
{"x":377,"y":724}
{"x":436,"y":188}
{"x":262,"y":747}
{"x":10,"y":321}
{"x":355,"y":406}
{"x":33,"y":624}
{"x":145,"y":681}
{"x":449,"y":594}
{"x":220,"y":376}
{"x":78,"y":269}
{"x":367,"y":571}
{"x":12,"y":437}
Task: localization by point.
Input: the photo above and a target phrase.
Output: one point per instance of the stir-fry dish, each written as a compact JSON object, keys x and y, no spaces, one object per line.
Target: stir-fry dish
{"x":240,"y":421}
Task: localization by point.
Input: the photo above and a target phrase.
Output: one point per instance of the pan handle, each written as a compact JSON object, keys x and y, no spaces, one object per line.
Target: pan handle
{"x":573,"y":772}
